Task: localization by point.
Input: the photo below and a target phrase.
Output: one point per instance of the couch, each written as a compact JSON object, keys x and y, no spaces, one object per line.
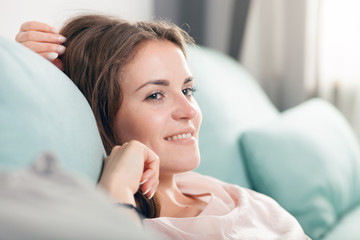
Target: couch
{"x":306,"y":158}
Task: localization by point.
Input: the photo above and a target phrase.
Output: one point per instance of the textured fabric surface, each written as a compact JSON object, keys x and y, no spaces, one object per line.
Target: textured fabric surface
{"x":231,"y":213}
{"x":347,"y":228}
{"x":41,"y":110}
{"x":231,"y":101}
{"x":46,"y":202}
{"x":309,"y":161}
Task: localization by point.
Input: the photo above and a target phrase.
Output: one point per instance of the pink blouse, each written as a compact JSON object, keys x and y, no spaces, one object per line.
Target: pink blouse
{"x":232,"y":212}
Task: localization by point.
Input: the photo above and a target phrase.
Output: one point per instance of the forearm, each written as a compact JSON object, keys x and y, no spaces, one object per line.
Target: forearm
{"x":125,"y":200}
{"x":119,"y":194}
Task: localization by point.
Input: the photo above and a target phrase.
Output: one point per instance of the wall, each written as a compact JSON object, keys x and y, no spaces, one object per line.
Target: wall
{"x":218,"y":24}
{"x":15,"y":12}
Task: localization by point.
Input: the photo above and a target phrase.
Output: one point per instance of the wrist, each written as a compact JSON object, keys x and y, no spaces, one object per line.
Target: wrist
{"x":132,"y":207}
{"x":119,"y":193}
{"x":124,"y":196}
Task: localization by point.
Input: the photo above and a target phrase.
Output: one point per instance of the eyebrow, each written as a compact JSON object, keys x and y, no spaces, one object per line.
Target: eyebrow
{"x":162,"y":83}
{"x":189,"y":79}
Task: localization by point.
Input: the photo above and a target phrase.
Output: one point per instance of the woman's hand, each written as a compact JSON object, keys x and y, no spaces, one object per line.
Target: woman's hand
{"x":126,"y":168}
{"x":42,"y":39}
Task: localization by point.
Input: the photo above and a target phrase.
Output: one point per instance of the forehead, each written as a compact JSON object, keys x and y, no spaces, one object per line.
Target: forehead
{"x":154,"y":60}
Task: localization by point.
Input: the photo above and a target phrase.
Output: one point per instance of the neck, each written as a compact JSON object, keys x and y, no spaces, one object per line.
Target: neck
{"x":171,"y":198}
{"x":168,"y":189}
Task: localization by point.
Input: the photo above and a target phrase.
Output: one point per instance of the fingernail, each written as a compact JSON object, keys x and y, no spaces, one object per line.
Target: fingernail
{"x":152,"y":195}
{"x":54,"y":30}
{"x":147,"y":191}
{"x":52,"y":56}
{"x":61,"y":39}
{"x":61,"y":49}
{"x":144,"y":181}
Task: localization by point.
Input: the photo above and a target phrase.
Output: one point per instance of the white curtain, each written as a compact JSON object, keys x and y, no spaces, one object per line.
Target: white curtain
{"x":279,"y":48}
{"x":302,"y":49}
{"x":339,"y":58}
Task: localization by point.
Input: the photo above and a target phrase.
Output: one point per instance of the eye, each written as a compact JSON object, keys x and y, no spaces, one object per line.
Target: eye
{"x":155,"y":97}
{"x":189,"y":91}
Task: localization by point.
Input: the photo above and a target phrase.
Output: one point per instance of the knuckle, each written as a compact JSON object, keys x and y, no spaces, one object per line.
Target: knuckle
{"x":116,"y":147}
{"x":17,"y":37}
{"x":21,"y":37}
{"x":135,"y":142}
{"x":31,"y":24}
{"x":52,"y":37}
{"x":28,"y":36}
{"x":24,"y":25}
{"x":53,"y":47}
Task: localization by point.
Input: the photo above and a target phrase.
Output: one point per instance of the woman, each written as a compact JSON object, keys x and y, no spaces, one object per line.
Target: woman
{"x":137,"y":81}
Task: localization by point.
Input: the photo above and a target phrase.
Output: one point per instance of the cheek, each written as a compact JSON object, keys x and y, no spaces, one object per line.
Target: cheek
{"x":125,"y":126}
{"x":144,"y":126}
{"x":130,"y":129}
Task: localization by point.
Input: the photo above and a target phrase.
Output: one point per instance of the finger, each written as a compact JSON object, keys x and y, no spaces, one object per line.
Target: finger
{"x":152,"y":163}
{"x":147,"y":192}
{"x":148,"y":174}
{"x":37,"y":36}
{"x":37,"y":26}
{"x":149,"y":186}
{"x":59,"y":64}
{"x":45,"y":47}
{"x":52,"y":57}
{"x":150,"y":177}
{"x":151,"y":159}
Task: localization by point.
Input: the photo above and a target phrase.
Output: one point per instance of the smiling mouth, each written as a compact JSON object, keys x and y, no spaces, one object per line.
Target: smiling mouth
{"x":179,"y":137}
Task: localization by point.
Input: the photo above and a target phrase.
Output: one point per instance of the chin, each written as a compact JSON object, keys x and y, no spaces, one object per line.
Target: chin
{"x":190,"y":165}
{"x":181,"y":165}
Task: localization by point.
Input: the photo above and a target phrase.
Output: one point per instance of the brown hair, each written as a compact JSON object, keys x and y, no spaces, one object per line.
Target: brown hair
{"x":98,"y":48}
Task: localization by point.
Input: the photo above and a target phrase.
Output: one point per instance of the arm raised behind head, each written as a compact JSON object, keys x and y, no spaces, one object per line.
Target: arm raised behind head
{"x":42,"y":39}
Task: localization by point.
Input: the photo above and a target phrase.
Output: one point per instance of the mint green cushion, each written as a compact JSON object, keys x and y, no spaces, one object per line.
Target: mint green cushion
{"x":231,"y":100}
{"x":347,"y":228}
{"x":309,"y":161}
{"x":43,"y":111}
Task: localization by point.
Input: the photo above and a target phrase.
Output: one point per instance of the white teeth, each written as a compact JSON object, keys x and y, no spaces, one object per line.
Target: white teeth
{"x":179,"y":136}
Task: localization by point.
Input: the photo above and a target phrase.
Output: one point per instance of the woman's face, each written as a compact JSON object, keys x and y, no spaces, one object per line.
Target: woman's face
{"x":158,"y":108}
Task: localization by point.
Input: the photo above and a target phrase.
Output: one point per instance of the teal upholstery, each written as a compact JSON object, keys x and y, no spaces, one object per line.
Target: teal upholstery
{"x":346,"y":228}
{"x":231,"y":101}
{"x":309,"y":161}
{"x":43,"y":111}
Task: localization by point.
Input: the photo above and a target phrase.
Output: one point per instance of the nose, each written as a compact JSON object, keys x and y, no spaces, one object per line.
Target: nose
{"x":185,"y":109}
